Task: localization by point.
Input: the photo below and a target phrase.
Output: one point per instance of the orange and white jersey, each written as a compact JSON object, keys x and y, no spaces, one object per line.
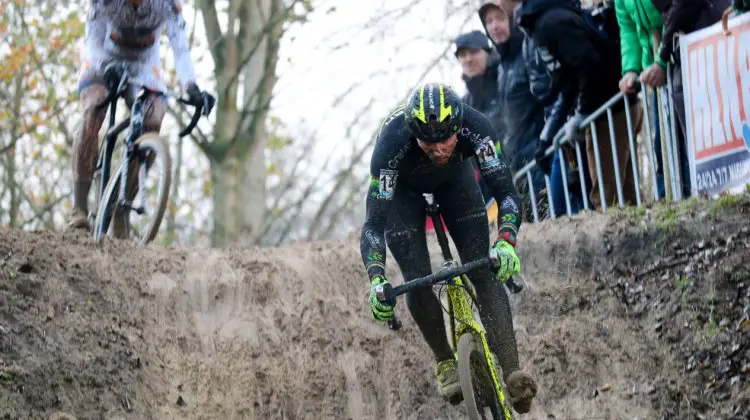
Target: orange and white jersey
{"x":129,"y":30}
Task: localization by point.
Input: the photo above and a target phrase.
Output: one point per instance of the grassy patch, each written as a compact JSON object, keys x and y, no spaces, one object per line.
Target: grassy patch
{"x":666,"y":218}
{"x":681,"y":284}
{"x":712,"y":327}
{"x":723,"y":203}
{"x":10,"y":374}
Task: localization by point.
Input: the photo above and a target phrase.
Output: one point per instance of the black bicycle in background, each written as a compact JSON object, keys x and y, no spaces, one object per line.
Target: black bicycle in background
{"x":116,"y":198}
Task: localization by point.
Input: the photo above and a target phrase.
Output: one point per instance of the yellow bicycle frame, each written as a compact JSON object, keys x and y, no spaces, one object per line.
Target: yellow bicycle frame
{"x":460,"y":312}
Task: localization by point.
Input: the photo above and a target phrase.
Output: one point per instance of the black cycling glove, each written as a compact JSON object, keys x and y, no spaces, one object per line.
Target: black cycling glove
{"x":199,"y":98}
{"x":544,"y":162}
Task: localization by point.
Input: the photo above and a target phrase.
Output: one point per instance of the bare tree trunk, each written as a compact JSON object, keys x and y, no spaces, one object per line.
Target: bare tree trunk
{"x":238,"y":170}
{"x":236,"y":221}
{"x":10,"y":156}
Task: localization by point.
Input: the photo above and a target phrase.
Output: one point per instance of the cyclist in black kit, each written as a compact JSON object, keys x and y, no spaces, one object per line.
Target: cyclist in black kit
{"x":426,"y":146}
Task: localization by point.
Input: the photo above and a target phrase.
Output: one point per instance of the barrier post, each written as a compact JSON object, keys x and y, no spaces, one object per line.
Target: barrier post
{"x":532,"y":196}
{"x":651,"y":155}
{"x":677,"y":176}
{"x":595,"y":140}
{"x":615,"y":157}
{"x":633,"y":155}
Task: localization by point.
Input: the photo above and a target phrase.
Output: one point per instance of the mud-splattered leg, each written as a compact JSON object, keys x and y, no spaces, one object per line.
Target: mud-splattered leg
{"x":85,"y":150}
{"x":465,"y":216}
{"x":405,"y":235}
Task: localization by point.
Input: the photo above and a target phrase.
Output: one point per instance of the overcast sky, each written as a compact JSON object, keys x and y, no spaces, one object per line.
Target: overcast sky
{"x":386,"y":57}
{"x":381,"y":45}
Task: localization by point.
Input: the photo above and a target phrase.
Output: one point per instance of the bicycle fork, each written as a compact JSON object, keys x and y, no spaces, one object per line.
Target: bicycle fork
{"x":136,"y":128}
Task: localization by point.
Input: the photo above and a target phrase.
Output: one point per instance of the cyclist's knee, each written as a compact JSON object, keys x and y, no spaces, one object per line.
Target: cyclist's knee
{"x":402,"y":236}
{"x":93,"y":117}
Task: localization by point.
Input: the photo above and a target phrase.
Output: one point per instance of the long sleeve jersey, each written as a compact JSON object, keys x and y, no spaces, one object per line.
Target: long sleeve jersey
{"x":397,"y":159}
{"x":116,"y":29}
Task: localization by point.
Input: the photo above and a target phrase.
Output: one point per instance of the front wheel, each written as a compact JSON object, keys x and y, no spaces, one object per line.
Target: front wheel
{"x":476,"y":381}
{"x":152,"y":150}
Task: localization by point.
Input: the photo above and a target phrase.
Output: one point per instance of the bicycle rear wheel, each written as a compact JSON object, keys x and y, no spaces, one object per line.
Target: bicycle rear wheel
{"x":154,"y":150}
{"x":476,"y":381}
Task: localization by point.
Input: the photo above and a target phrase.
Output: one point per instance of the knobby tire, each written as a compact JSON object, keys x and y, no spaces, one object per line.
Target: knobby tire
{"x":105,"y":214}
{"x":476,"y":380}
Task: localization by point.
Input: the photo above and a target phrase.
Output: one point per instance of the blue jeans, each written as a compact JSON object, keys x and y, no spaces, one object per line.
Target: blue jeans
{"x":557,"y":189}
{"x":657,"y":146}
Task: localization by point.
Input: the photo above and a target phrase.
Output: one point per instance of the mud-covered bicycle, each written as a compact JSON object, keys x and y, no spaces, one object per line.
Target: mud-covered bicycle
{"x":482,"y":389}
{"x":114,"y":201}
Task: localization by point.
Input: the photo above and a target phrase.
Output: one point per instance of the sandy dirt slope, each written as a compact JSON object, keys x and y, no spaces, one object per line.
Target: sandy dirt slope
{"x":126,"y":332}
{"x":612,"y":317}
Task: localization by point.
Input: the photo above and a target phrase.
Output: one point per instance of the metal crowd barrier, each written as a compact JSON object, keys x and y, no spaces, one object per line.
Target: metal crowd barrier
{"x":670,"y":166}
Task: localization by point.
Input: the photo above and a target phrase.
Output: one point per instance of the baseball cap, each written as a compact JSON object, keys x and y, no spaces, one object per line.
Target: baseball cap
{"x":474,"y":39}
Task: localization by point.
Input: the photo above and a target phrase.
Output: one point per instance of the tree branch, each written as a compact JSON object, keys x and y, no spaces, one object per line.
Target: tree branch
{"x":247,"y":54}
{"x":291,"y":176}
{"x":40,"y":212}
{"x":39,"y":63}
{"x":336,"y":215}
{"x":10,"y":145}
{"x":213,"y":32}
{"x":340,"y":179}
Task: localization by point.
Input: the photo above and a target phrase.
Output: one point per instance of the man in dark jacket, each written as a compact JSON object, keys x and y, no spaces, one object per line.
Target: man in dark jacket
{"x":574,"y":52}
{"x":559,"y":102}
{"x":479,"y":65}
{"x":680,"y":16}
{"x":522,"y":114}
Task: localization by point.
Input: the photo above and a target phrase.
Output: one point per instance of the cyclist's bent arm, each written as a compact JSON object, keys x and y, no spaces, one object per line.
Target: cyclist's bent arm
{"x":384,"y":165}
{"x":372,"y":242}
{"x":175,"y":28}
{"x":496,"y":174}
{"x":93,"y":43}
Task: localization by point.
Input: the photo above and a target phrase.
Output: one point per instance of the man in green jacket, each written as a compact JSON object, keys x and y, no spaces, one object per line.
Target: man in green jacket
{"x":638,"y":20}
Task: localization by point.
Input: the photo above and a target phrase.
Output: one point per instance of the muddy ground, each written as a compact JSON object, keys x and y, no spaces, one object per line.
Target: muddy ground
{"x":639,"y":314}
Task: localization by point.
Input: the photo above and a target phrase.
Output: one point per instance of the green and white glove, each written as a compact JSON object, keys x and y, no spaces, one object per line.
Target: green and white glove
{"x":380,"y":311}
{"x":508,"y":261}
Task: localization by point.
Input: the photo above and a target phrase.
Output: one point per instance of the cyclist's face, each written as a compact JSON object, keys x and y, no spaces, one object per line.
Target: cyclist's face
{"x":441,"y":152}
{"x":498,"y":25}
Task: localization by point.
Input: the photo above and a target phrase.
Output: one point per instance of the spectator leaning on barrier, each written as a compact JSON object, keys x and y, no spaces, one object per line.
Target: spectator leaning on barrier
{"x":479,"y":66}
{"x":565,"y":40}
{"x":559,"y":102}
{"x":522,"y":114}
{"x":681,"y":16}
{"x":638,"y":20}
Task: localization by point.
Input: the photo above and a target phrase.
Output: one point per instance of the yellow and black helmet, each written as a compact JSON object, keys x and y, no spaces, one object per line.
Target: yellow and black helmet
{"x":434,"y":112}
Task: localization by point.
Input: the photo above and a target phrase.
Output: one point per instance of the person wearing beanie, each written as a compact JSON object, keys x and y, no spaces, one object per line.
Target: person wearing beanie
{"x":522,"y":113}
{"x":479,"y":63}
